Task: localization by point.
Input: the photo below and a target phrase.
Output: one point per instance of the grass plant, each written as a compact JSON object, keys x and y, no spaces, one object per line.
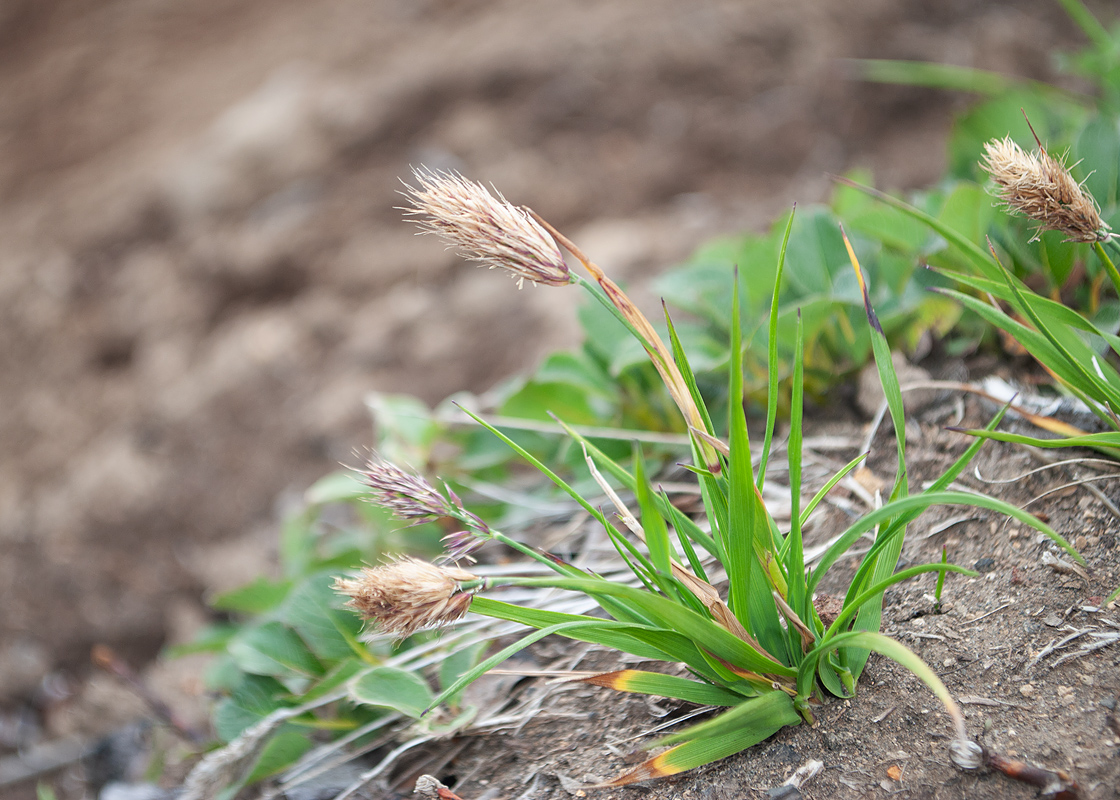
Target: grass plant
{"x":299,"y":686}
{"x":764,"y":652}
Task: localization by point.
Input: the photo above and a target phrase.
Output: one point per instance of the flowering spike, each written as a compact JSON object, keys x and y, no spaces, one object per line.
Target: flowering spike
{"x":460,"y":545}
{"x":1039,"y":186}
{"x":408,"y":595}
{"x":485,"y":228}
{"x":407,"y":496}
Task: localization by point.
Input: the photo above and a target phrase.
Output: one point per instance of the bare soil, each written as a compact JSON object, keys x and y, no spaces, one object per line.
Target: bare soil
{"x":203,"y":272}
{"x":987,"y":644}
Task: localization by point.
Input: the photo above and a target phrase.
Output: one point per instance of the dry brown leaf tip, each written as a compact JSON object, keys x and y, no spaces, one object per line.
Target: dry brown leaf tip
{"x":1040,"y":186}
{"x":408,"y":595}
{"x":486,"y":228}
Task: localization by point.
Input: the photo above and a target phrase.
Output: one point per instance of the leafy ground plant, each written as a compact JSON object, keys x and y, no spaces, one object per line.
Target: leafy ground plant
{"x":766,"y":653}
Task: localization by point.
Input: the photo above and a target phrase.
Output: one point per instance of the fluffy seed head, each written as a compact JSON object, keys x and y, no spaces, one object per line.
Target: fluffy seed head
{"x":407,"y":496}
{"x":485,"y":228}
{"x":407,"y":595}
{"x":1039,"y":186}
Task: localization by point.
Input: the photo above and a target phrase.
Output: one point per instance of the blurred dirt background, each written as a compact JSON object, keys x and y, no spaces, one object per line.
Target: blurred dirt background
{"x":202,"y":270}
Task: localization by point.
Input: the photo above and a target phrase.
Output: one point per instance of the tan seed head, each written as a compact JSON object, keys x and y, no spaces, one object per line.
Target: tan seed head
{"x":407,"y":595}
{"x":485,"y":228}
{"x":1040,"y":187}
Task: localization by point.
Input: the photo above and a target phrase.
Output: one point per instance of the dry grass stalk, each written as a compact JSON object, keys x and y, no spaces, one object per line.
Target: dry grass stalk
{"x":408,"y":595}
{"x":485,"y":228}
{"x":1040,"y":187}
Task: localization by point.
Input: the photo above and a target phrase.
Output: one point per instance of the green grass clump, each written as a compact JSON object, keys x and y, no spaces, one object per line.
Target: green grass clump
{"x":801,"y":314}
{"x":765,"y":652}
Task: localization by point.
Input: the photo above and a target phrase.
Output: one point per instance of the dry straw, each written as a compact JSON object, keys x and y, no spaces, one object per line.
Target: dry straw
{"x":1040,"y":187}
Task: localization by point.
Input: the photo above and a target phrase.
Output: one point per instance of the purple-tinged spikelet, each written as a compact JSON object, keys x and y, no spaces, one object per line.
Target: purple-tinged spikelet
{"x":406,"y":495}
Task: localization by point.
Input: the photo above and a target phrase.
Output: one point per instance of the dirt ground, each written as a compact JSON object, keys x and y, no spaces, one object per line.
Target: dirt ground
{"x":988,"y":645}
{"x":203,"y":271}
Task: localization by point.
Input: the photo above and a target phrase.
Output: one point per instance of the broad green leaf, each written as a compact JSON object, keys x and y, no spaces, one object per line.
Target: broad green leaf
{"x":281,"y":751}
{"x":815,"y":252}
{"x":253,"y":698}
{"x":257,"y":597}
{"x":969,"y":210}
{"x":297,"y":542}
{"x":604,"y":335}
{"x":312,"y":608}
{"x":456,"y":664}
{"x":272,"y":648}
{"x":1058,"y":256}
{"x":577,"y":369}
{"x":339,"y":675}
{"x":389,"y":687}
{"x":537,"y":400}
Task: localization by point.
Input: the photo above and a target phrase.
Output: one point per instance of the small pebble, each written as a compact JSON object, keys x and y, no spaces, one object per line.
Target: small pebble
{"x":1109,"y":703}
{"x":1052,"y":620}
{"x":949,"y":662}
{"x":1027,"y":690}
{"x":986,"y":564}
